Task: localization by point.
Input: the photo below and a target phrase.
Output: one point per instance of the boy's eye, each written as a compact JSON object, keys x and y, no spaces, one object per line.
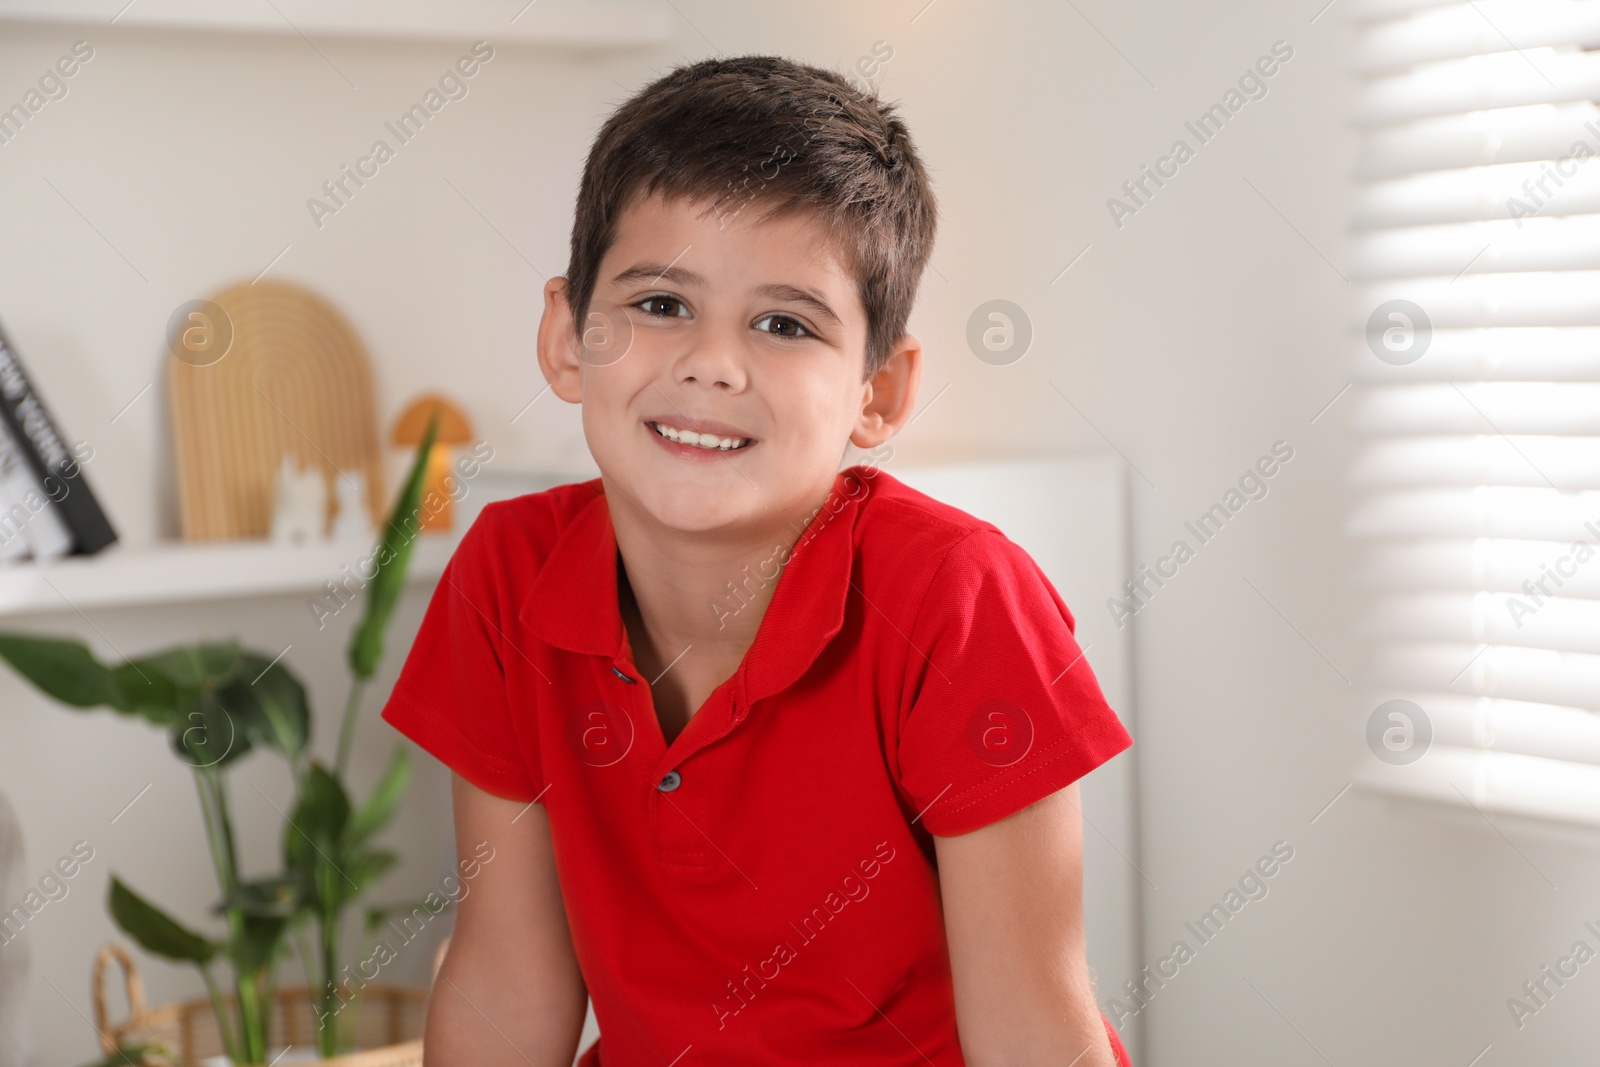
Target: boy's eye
{"x":662,"y":306}
{"x":652,"y":306}
{"x":793,"y":328}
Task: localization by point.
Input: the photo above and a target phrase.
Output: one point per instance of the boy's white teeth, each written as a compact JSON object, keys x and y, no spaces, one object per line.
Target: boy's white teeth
{"x":699,"y":440}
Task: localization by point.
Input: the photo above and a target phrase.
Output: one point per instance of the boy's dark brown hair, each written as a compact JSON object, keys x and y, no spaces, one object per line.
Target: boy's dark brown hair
{"x":767,"y":133}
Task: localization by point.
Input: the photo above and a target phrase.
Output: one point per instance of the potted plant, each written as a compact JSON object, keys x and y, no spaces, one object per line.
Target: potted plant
{"x":218,"y":701}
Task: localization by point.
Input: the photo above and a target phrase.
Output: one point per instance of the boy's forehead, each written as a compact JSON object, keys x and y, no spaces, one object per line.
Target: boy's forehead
{"x":729,"y":241}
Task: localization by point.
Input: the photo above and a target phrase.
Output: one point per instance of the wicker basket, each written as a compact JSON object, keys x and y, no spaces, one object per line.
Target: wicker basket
{"x":389,"y":1029}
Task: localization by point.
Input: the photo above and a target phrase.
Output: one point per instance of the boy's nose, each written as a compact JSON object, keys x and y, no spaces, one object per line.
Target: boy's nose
{"x":711,"y":361}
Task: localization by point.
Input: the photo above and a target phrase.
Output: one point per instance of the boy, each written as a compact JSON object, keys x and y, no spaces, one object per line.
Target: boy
{"x":777,"y":761}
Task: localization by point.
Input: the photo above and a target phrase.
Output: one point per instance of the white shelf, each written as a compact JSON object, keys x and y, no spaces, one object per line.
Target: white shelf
{"x":182,"y":572}
{"x":175,"y":572}
{"x":595,"y":24}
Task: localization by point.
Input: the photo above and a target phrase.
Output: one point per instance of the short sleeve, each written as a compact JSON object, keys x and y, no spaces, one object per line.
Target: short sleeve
{"x":450,"y":697}
{"x":1004,"y":710}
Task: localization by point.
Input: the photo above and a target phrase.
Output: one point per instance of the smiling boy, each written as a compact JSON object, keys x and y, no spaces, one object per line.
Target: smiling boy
{"x":779,"y":760}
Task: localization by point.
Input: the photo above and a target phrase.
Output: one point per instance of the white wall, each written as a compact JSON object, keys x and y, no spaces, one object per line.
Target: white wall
{"x":1204,"y":329}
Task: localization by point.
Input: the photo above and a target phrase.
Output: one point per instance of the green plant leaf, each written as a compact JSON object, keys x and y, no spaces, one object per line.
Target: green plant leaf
{"x":148,"y":693}
{"x":276,"y":897}
{"x":363,"y":869}
{"x":394,"y":556}
{"x":257,"y":946}
{"x":269,"y":703}
{"x":314,"y":835}
{"x":154,"y":929}
{"x":373,"y":917}
{"x":63,"y":669}
{"x":204,"y":733}
{"x":198,"y":666}
{"x":378,"y":808}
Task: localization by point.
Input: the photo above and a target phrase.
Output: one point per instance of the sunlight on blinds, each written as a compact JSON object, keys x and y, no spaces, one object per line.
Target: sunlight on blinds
{"x":1476,"y":248}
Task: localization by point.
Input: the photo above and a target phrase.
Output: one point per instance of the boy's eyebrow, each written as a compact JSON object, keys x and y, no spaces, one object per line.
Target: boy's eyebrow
{"x":676,"y":275}
{"x":805,"y":297}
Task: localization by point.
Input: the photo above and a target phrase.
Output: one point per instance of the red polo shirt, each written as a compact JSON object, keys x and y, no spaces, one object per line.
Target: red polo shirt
{"x":764,"y":889}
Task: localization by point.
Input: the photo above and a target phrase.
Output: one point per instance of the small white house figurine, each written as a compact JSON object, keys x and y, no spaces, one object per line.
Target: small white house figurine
{"x":300,"y":504}
{"x":352,"y":522}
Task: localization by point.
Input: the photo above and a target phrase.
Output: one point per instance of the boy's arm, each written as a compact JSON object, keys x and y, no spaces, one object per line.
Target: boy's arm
{"x":509,"y":991}
{"x":1013,"y":913}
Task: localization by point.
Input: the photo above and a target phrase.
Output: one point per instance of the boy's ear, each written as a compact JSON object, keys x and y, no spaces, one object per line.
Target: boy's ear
{"x":559,"y":355}
{"x":890,"y":397}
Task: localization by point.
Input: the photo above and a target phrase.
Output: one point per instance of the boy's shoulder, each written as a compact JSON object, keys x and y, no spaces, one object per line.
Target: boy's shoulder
{"x":915,"y":532}
{"x":943,"y":563}
{"x":889,"y":502}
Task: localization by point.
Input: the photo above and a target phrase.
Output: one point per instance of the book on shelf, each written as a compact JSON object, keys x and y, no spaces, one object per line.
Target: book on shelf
{"x":13,"y":546}
{"x":29,"y":524}
{"x":68,"y":506}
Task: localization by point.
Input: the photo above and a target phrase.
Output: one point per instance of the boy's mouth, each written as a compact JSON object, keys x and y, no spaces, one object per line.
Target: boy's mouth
{"x":731,"y":441}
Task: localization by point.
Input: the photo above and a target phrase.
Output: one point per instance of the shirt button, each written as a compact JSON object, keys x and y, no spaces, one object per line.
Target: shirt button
{"x":670,"y":781}
{"x":616,"y":671}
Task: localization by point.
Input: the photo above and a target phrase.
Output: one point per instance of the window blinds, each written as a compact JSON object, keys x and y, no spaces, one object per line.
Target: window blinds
{"x":1476,"y":255}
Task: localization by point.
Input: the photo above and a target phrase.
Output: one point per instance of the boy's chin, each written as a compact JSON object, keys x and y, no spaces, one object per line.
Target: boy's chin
{"x":688,"y":507}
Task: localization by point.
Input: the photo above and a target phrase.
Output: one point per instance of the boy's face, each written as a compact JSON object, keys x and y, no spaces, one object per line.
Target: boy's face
{"x":750,"y":332}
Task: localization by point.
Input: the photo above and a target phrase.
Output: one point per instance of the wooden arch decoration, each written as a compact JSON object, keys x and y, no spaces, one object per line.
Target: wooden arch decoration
{"x":294,"y":380}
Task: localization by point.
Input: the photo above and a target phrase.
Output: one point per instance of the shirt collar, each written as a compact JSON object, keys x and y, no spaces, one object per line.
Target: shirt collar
{"x":572,"y":603}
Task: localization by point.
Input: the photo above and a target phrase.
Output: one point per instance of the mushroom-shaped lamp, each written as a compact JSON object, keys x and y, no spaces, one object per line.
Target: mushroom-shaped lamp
{"x":435,"y":503}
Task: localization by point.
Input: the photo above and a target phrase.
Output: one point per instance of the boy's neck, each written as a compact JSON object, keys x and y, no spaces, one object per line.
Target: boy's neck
{"x":680,"y":581}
